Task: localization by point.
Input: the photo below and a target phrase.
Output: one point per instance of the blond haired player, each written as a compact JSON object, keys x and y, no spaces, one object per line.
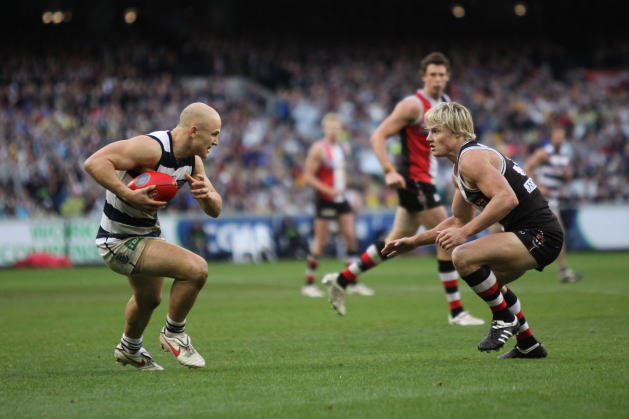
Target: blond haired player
{"x":532,"y":238}
{"x":129,"y":238}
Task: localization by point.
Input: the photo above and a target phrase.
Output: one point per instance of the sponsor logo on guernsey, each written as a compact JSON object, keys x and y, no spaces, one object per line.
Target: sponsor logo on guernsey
{"x":132,"y":243}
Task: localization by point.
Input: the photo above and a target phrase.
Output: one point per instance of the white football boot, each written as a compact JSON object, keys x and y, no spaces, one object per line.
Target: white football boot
{"x":311,"y":291}
{"x":465,"y":319}
{"x":359,"y":288}
{"x":141,"y":360}
{"x":336,"y":292}
{"x":181,"y":347}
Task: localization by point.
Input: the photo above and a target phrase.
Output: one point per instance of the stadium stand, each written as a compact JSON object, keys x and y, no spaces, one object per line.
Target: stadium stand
{"x":54,"y":113}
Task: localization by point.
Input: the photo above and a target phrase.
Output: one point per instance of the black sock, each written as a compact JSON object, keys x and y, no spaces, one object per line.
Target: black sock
{"x":342,"y":281}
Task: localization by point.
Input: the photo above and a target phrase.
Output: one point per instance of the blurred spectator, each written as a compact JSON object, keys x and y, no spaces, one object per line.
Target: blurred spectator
{"x":56,"y":110}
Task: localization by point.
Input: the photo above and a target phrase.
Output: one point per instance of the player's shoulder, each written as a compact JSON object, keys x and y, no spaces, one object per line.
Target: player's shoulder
{"x":471,"y":157}
{"x":316,"y":147}
{"x":409,"y":108}
{"x":411,"y":101}
{"x":146,"y":140}
{"x":143,"y":145}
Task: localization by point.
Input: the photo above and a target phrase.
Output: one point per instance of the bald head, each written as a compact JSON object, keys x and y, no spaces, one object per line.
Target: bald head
{"x":198,"y":130}
{"x":200,"y":115}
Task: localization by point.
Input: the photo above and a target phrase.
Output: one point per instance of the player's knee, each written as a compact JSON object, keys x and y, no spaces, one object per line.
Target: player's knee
{"x":460,"y":257}
{"x":148,"y":302}
{"x":199,"y":272}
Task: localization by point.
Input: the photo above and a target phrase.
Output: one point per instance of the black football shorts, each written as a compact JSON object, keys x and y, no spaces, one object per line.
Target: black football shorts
{"x":418,"y":196}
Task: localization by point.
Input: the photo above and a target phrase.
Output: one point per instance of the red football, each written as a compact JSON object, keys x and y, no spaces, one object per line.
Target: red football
{"x":166,"y":186}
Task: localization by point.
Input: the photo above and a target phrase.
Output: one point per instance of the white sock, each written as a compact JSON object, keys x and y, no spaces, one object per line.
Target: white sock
{"x":131,"y":345}
{"x":174,"y":328}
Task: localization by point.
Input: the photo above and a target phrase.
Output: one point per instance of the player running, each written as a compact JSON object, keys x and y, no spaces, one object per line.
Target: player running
{"x":419,"y":202}
{"x":130,"y":240}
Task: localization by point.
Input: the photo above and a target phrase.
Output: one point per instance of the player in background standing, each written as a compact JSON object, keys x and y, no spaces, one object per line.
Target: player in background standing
{"x":325,"y":172}
{"x":419,"y":202}
{"x":532,"y":238}
{"x":549,"y":167}
{"x":130,"y":240}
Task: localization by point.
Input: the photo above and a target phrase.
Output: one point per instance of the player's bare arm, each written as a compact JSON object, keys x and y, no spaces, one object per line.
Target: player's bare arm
{"x":203,"y":191}
{"x":479,"y":169}
{"x":313,"y":161}
{"x":461,"y":209}
{"x":405,"y":113}
{"x":406,"y":244}
{"x":539,"y":157}
{"x":139,"y":153}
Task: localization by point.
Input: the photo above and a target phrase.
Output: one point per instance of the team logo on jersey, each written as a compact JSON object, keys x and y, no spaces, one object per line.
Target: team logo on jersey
{"x":481,"y":202}
{"x":529,"y":185}
{"x":537,"y":240}
{"x":142,"y":179}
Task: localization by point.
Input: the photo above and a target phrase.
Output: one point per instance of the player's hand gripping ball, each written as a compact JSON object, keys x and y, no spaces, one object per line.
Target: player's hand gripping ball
{"x":165,"y":185}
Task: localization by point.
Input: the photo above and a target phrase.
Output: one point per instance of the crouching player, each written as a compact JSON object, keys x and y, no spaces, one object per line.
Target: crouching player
{"x":129,"y":238}
{"x":532,"y":236}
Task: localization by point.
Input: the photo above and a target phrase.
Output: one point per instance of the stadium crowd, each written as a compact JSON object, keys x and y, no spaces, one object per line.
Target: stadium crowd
{"x":55,"y":110}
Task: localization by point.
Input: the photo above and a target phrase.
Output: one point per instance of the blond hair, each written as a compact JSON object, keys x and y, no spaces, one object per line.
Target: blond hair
{"x":454,"y":116}
{"x":331,"y":117}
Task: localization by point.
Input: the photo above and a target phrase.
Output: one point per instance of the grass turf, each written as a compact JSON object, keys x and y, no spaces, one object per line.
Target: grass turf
{"x":273,"y":353}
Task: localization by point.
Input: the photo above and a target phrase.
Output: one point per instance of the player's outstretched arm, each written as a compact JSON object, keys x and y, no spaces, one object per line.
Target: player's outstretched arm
{"x":203,"y":191}
{"x":405,"y":244}
{"x":405,"y":113}
{"x":136,"y":153}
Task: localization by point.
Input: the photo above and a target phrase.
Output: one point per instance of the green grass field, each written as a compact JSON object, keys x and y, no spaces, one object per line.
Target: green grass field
{"x":273,"y":353}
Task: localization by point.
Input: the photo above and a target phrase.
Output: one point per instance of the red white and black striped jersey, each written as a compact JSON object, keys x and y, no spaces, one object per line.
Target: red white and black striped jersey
{"x":417,"y":162}
{"x":331,"y":171}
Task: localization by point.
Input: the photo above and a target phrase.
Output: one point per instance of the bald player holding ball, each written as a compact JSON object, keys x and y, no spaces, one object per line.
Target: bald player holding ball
{"x":130,"y":240}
